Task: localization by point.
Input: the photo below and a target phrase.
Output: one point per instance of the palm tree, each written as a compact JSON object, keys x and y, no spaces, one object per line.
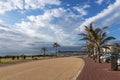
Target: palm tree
{"x":96,"y":37}
{"x":44,"y":49}
{"x":56,"y":45}
{"x":101,"y":40}
{"x":88,"y":37}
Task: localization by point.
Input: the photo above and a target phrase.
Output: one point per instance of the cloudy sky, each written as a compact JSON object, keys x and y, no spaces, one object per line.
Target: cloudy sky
{"x":27,"y":25}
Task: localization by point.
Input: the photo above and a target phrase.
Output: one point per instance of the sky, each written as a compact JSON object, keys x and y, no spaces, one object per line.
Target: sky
{"x":28,"y":25}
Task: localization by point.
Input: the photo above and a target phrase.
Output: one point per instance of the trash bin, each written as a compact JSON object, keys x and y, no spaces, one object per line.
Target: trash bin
{"x":114,"y":65}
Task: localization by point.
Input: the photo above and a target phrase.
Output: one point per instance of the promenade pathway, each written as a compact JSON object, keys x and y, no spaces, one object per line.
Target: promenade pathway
{"x":51,"y":69}
{"x":97,"y":71}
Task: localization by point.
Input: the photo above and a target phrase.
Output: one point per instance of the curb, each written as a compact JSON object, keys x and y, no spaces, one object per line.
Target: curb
{"x":79,"y":71}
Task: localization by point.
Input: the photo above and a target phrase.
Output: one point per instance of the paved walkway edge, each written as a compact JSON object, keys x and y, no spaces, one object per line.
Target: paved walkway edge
{"x":79,"y":71}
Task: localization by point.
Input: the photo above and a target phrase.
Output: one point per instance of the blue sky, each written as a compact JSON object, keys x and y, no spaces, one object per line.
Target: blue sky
{"x":27,"y":25}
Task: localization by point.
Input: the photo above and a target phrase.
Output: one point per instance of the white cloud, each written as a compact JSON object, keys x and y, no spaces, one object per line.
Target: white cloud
{"x":1,"y":21}
{"x":99,"y":2}
{"x":81,"y":9}
{"x":47,"y":16}
{"x":16,"y":40}
{"x":51,"y":26}
{"x":33,"y":4}
{"x":22,"y":5}
{"x":107,"y":17}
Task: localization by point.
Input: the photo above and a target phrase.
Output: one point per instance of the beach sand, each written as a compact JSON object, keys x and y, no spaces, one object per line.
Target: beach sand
{"x":50,"y":69}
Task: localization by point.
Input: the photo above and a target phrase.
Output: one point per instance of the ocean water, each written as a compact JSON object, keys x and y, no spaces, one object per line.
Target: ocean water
{"x":50,"y":50}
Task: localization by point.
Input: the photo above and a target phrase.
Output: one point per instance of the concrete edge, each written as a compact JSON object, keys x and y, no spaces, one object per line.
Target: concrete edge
{"x":79,"y":71}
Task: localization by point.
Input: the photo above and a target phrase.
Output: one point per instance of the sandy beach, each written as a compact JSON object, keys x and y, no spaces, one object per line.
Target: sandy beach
{"x":51,"y":69}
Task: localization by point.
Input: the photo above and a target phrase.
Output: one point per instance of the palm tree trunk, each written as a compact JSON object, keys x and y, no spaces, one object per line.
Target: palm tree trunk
{"x":44,"y":53}
{"x":99,"y":55}
{"x":56,"y":52}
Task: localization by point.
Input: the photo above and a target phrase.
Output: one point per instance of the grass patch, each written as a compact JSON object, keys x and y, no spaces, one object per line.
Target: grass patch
{"x":21,"y":59}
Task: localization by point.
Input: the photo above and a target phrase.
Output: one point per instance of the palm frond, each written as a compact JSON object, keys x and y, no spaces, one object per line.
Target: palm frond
{"x":106,"y":40}
{"x":105,"y":27}
{"x":97,"y":30}
{"x":82,"y":34}
{"x":85,"y":38}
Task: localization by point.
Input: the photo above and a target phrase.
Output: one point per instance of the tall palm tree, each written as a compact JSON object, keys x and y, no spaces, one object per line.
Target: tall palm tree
{"x":96,"y":37}
{"x":56,"y":45}
{"x":88,"y":37}
{"x":101,"y":40}
{"x":44,"y":49}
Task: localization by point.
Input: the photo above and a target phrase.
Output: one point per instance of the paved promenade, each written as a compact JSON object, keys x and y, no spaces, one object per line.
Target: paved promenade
{"x":97,"y":71}
{"x":51,"y":69}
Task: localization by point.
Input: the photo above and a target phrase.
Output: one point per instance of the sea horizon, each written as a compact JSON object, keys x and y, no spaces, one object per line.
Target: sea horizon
{"x":49,"y":51}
